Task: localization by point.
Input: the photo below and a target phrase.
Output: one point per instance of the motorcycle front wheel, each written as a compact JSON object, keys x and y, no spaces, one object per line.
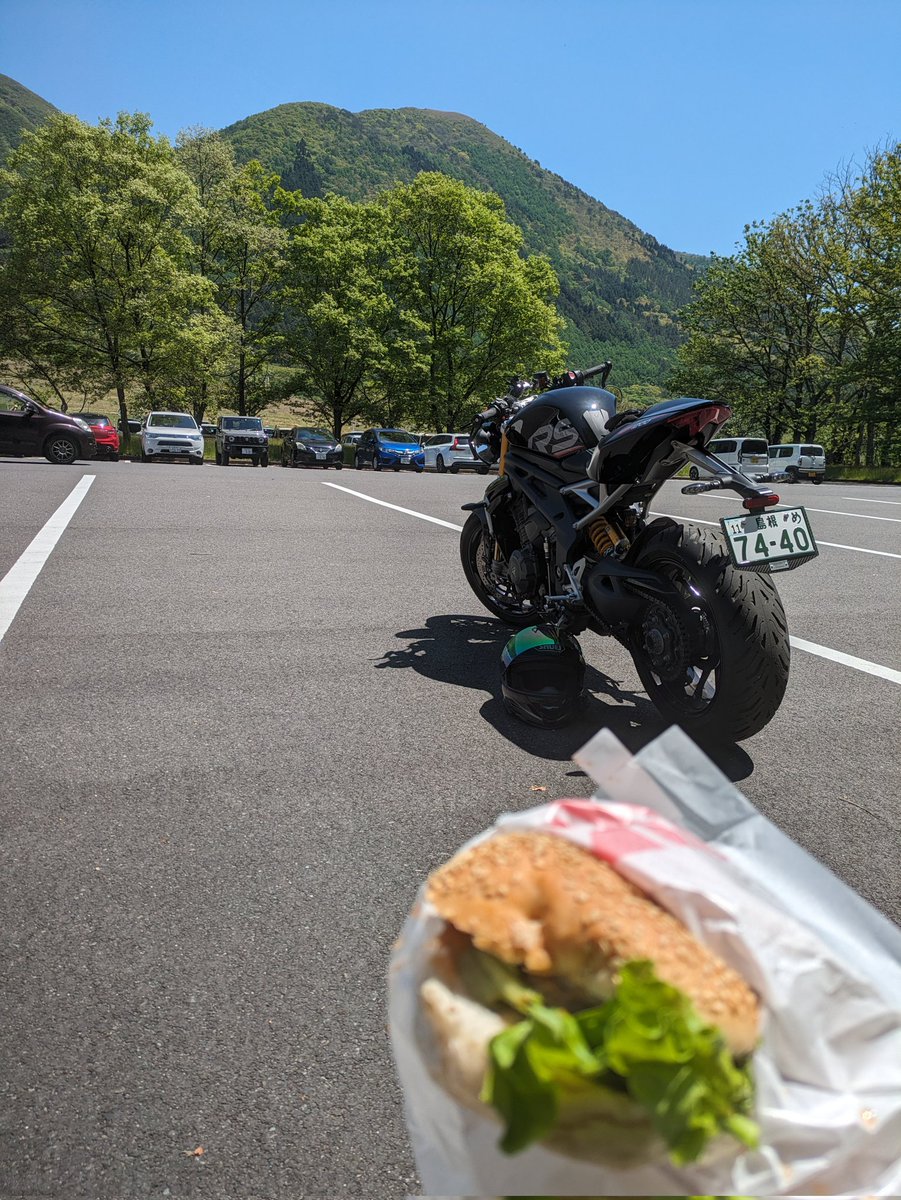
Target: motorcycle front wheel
{"x":490,"y":585}
{"x":717,"y":663}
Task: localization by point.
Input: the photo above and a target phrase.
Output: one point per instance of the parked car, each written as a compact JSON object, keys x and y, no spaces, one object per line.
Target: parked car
{"x":168,"y":435}
{"x":383,"y":448}
{"x":28,"y":428}
{"x":208,"y":429}
{"x":451,"y":452}
{"x":349,"y":444}
{"x":799,"y":460}
{"x":270,"y":431}
{"x":105,"y":435}
{"x":133,"y":427}
{"x":746,"y":454}
{"x":241,"y":438}
{"x":306,"y":447}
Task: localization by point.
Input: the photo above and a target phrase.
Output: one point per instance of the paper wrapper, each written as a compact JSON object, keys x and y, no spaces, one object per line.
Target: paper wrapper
{"x":826,"y":965}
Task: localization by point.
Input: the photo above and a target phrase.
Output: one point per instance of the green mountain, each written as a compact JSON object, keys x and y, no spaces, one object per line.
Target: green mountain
{"x":19,"y":110}
{"x":620,"y":288}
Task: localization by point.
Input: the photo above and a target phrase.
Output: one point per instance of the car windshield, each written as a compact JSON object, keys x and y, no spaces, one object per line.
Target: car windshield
{"x":94,"y":419}
{"x":749,"y":446}
{"x":242,"y":423}
{"x":314,"y":435}
{"x":172,"y":420}
{"x":399,"y":436}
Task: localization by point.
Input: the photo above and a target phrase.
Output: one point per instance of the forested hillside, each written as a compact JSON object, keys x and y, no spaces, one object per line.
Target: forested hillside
{"x":620,"y":287}
{"x":20,"y":109}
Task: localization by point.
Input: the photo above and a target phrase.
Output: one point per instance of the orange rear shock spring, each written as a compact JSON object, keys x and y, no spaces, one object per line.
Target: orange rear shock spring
{"x":605,"y":536}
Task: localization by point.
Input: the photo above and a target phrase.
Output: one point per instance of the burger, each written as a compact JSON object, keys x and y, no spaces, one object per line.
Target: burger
{"x":563,"y":1001}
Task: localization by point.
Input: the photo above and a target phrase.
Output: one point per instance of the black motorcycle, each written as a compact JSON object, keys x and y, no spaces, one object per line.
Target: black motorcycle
{"x":563,"y":536}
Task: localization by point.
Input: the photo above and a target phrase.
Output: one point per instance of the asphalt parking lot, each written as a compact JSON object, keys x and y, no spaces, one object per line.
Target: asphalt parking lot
{"x":247,"y":712}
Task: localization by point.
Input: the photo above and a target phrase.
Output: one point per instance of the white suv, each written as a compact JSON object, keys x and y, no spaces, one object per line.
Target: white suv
{"x":171,"y":435}
{"x":451,"y":452}
{"x":748,"y":455}
{"x":799,"y":460}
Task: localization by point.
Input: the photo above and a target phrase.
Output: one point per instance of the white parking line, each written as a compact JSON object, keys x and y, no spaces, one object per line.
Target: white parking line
{"x":847,"y":660}
{"x":16,"y":583}
{"x":397,"y":508}
{"x":833,"y":511}
{"x":869,"y":500}
{"x":834,"y":545}
{"x":839,"y":656}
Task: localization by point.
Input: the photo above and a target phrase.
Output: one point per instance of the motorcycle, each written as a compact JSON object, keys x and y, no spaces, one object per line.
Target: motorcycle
{"x":563,"y":536}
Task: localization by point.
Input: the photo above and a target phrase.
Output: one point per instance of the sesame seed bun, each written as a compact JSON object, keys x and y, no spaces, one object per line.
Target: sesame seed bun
{"x":540,"y":902}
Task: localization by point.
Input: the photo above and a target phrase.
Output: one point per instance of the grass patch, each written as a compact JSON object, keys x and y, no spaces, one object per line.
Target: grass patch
{"x":864,"y":474}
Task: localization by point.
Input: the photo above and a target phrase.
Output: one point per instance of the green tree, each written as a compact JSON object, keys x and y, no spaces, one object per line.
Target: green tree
{"x":771,"y":330}
{"x":344,"y":335}
{"x":240,"y":247}
{"x":876,"y":213}
{"x":484,"y":312}
{"x":96,"y":276}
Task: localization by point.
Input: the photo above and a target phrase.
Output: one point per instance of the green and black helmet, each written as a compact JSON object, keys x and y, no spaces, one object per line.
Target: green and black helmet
{"x":543,"y":679}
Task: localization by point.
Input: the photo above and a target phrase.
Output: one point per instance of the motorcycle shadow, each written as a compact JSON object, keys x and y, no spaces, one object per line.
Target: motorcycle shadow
{"x":466,"y":651}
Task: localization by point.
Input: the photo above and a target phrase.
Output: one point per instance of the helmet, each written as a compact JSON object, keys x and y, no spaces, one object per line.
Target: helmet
{"x":543,"y":676}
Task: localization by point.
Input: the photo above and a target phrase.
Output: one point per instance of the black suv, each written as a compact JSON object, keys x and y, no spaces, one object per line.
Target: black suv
{"x":28,"y":428}
{"x":241,"y":438}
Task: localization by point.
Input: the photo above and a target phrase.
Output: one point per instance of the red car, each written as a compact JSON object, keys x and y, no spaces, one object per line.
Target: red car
{"x":105,"y":435}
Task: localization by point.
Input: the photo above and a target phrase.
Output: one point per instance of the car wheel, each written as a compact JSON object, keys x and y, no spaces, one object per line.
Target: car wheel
{"x":792,"y":473}
{"x":144,"y":457}
{"x":376,"y":463}
{"x":439,"y":465}
{"x":483,"y":470}
{"x":61,"y":450}
{"x":818,"y":479}
{"x":264,"y":460}
{"x":218,"y":458}
{"x":419,"y":470}
{"x":396,"y":469}
{"x":114,"y":456}
{"x":694,"y":473}
{"x":358,"y":466}
{"x":339,"y":466}
{"x":224,"y":459}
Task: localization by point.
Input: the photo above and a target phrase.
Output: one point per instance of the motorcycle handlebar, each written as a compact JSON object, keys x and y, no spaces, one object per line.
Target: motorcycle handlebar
{"x":601,"y":369}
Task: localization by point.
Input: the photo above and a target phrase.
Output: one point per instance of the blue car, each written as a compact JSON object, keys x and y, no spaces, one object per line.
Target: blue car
{"x":384,"y":448}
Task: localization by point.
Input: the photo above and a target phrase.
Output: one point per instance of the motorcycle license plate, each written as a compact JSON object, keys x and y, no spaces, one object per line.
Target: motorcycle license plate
{"x":777,"y":538}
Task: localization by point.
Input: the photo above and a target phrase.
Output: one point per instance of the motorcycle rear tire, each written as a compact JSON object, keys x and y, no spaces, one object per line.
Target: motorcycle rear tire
{"x":748,"y":622}
{"x":512,"y":610}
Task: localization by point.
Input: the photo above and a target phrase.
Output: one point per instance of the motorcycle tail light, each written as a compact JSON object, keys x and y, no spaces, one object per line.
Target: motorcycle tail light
{"x":698,"y":419}
{"x":752,"y":503}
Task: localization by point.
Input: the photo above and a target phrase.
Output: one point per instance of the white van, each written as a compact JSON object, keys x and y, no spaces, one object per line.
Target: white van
{"x":800,"y":460}
{"x":748,"y":455}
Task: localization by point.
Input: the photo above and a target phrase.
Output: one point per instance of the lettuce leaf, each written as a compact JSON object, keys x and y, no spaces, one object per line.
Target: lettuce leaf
{"x":647,"y":1043}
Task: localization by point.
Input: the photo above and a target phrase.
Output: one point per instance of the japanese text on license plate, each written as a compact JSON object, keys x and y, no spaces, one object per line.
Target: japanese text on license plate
{"x":774,"y":537}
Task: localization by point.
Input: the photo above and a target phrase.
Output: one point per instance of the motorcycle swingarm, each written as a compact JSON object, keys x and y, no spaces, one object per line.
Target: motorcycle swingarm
{"x":618,"y":593}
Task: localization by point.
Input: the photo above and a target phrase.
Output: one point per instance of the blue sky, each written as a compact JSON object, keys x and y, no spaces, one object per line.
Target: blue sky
{"x":690,"y":117}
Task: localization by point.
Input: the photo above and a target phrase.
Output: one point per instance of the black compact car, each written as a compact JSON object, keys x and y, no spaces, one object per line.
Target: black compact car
{"x":306,"y":447}
{"x":28,"y":428}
